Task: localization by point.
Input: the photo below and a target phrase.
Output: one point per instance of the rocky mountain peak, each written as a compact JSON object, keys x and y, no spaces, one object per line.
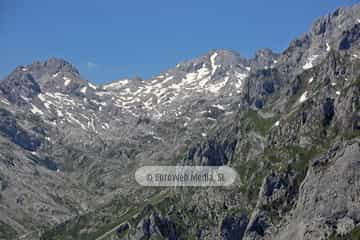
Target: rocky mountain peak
{"x":214,"y":60}
{"x":52,"y":75}
{"x":335,"y":31}
{"x":51,"y":67}
{"x":342,"y":18}
{"x":264,"y":58}
{"x":19,"y":86}
{"x":227,"y":57}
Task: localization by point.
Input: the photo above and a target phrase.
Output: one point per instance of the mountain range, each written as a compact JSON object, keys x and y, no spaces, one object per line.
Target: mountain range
{"x":288,"y":123}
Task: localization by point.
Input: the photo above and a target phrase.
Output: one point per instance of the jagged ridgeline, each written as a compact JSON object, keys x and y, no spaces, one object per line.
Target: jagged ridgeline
{"x":288,"y":123}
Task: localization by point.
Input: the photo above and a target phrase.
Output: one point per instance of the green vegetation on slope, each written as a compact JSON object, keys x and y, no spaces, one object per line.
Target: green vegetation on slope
{"x":260,"y":124}
{"x":6,"y":231}
{"x":353,"y":235}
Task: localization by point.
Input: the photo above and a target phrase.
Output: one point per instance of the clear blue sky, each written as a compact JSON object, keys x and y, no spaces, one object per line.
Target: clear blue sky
{"x":112,"y":39}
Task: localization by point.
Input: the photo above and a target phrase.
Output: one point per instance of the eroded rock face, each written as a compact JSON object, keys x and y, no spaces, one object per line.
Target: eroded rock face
{"x":10,"y":129}
{"x":276,"y":198}
{"x":258,"y":226}
{"x":350,"y":37}
{"x":233,"y":227}
{"x":155,"y":226}
{"x":328,"y":108}
{"x":19,"y":86}
{"x":122,"y":229}
{"x":211,"y":153}
{"x":329,"y":196}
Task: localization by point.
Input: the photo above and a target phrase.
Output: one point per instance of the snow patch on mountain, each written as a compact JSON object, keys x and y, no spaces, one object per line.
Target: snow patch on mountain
{"x":213,"y":65}
{"x":61,"y":98}
{"x":5,"y":101}
{"x":310,"y":61}
{"x":215,"y":88}
{"x":328,"y":48}
{"x":83,"y":90}
{"x":116,"y":85}
{"x":67,"y":81}
{"x":240,"y":79}
{"x":59,"y":113}
{"x":35,"y":110}
{"x":218,"y":106}
{"x":92,"y":86}
{"x":303,"y":97}
{"x":72,"y":119}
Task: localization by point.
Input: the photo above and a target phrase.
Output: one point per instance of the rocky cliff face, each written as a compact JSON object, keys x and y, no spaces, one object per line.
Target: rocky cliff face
{"x":288,"y":123}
